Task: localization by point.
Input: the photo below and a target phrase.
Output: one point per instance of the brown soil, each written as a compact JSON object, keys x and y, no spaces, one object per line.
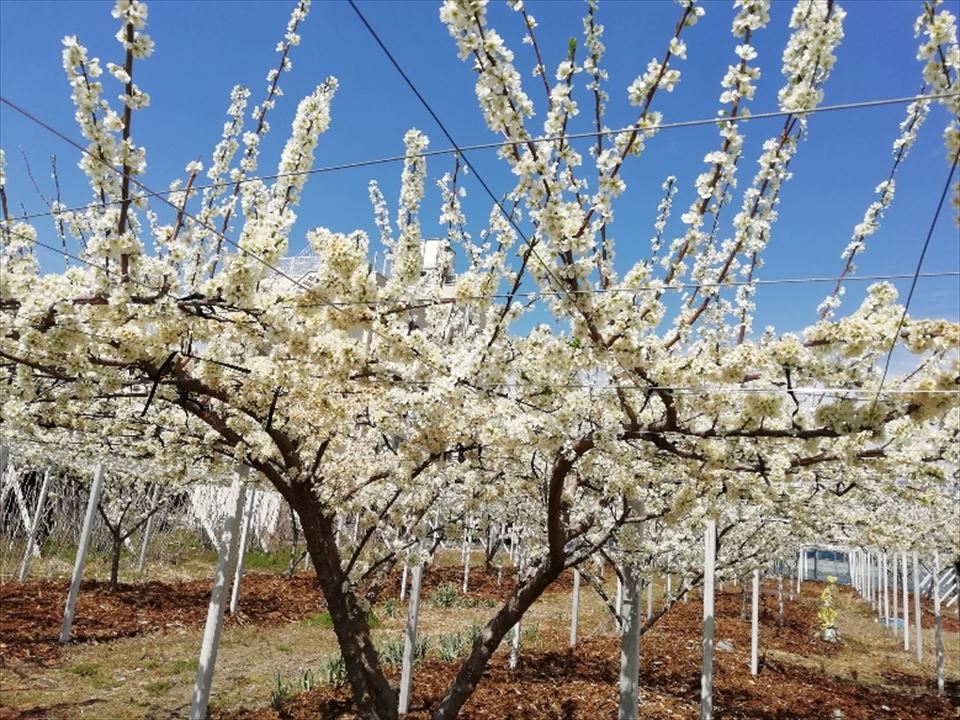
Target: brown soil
{"x":552,"y":682}
{"x":31,"y":613}
{"x":582,"y":684}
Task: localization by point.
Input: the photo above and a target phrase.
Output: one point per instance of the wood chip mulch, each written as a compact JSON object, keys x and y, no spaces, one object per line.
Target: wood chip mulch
{"x":560,"y":684}
{"x":31,"y":613}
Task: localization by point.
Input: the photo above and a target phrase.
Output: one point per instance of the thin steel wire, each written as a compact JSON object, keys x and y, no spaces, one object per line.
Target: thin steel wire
{"x":552,"y":293}
{"x":864,"y":104}
{"x":916,"y":273}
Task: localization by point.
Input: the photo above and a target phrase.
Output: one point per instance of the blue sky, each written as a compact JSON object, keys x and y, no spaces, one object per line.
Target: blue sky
{"x":204,"y":48}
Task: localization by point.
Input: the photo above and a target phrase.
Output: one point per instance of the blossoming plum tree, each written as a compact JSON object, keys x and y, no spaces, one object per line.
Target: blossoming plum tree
{"x":392,"y":400}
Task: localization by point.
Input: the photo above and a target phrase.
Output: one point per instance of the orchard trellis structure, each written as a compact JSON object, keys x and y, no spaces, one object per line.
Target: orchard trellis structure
{"x":406,"y":402}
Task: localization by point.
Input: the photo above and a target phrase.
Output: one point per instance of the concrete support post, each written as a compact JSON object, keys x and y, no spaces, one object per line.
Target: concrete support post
{"x":575,"y":607}
{"x":799,"y":569}
{"x":241,"y":550}
{"x":629,"y":683}
{"x":410,"y":638}
{"x":906,"y":602}
{"x":886,"y":589}
{"x":918,"y":627}
{"x":755,"y":625}
{"x":226,"y":557}
{"x":467,"y":542}
{"x":148,"y":530}
{"x":34,"y":525}
{"x":938,"y":623}
{"x":706,"y":666}
{"x":895,"y":590}
{"x":82,"y":549}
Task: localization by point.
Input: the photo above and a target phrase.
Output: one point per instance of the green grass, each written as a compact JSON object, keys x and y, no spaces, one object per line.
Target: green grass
{"x":84,"y":669}
{"x":158,"y":687}
{"x":323,"y":620}
{"x":179,"y":666}
{"x":320,"y":619}
{"x":275,"y":562}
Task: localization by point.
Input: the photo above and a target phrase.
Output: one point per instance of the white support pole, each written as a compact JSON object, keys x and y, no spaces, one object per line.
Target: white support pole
{"x":886,"y":590}
{"x":403,"y":580}
{"x":862,"y":572}
{"x":857,"y":572}
{"x":669,"y":591}
{"x":799,"y":569}
{"x":575,"y":608}
{"x":410,"y":638}
{"x":906,"y":602}
{"x":618,"y":602}
{"x":21,"y":504}
{"x":865,"y":573}
{"x":916,"y":607}
{"x":514,"y":658}
{"x":244,"y":533}
{"x":28,"y":550}
{"x":895,"y":593}
{"x":877,"y":589}
{"x":852,"y":569}
{"x":629,"y":682}
{"x":467,"y":540}
{"x":706,"y":666}
{"x":755,"y":624}
{"x":6,"y":483}
{"x":82,"y":549}
{"x":148,"y":530}
{"x":226,"y":558}
{"x":938,"y":623}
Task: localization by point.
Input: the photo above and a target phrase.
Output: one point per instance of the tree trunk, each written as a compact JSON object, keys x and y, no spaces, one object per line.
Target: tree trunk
{"x":483,"y":647}
{"x":115,"y":550}
{"x":295,"y":555}
{"x":372,"y":694}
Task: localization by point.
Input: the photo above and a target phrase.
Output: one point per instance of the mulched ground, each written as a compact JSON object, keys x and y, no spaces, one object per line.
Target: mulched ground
{"x":581,"y":685}
{"x":31,"y":613}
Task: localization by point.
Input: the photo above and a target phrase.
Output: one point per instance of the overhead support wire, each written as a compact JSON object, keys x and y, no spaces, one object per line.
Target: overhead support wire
{"x":431,"y":301}
{"x":916,"y":273}
{"x":858,"y":105}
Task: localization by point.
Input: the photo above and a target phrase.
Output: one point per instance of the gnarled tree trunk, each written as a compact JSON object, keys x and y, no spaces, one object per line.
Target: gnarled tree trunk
{"x":372,"y":694}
